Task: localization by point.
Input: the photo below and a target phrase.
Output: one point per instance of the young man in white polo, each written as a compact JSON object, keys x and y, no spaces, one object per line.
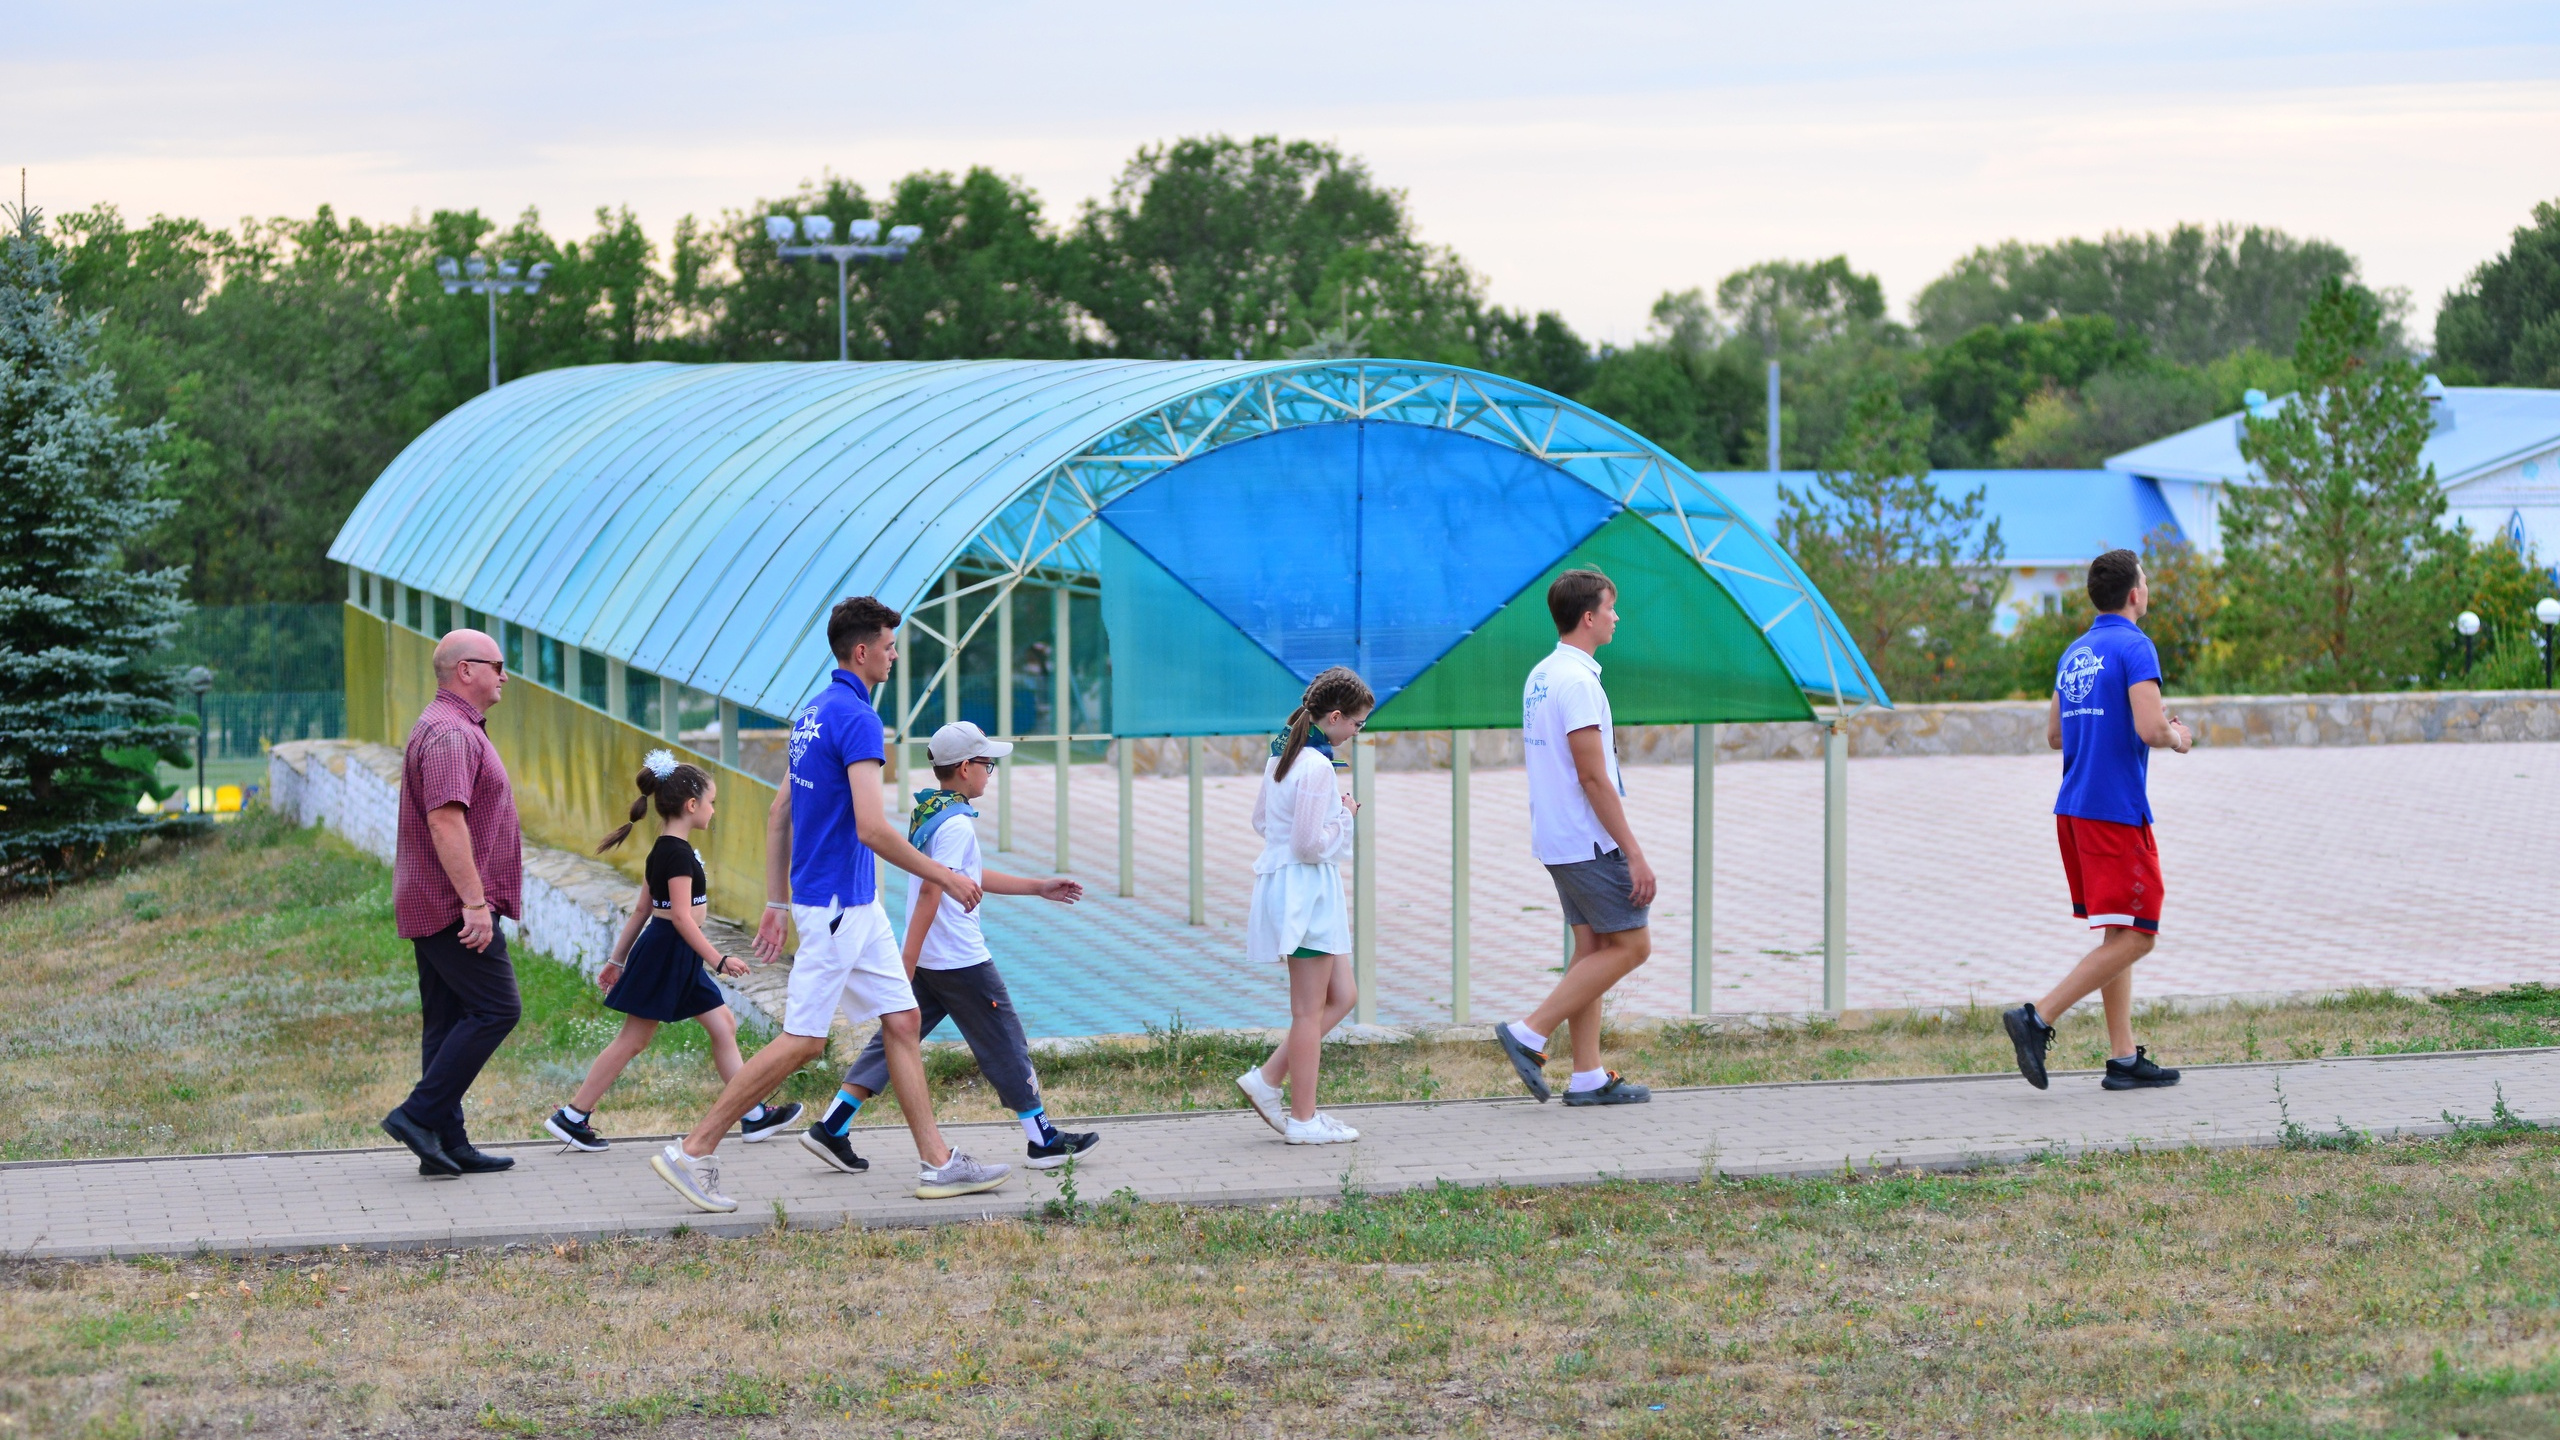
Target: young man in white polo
{"x":948,"y":962}
{"x":821,"y":838}
{"x":1578,"y":830}
{"x":2106,"y":718}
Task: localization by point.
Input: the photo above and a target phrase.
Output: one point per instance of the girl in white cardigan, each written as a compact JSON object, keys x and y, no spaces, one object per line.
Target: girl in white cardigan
{"x":1298,"y":914}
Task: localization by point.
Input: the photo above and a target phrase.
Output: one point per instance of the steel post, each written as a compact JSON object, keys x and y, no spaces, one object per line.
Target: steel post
{"x":1364,"y":880}
{"x":1835,"y":868}
{"x":1195,"y":766}
{"x":1461,"y":884}
{"x":1062,"y":668}
{"x":1004,"y":715}
{"x":1702,"y":869}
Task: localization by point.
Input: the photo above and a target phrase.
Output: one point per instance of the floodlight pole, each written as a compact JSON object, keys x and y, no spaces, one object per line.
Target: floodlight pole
{"x":473,"y":276}
{"x":899,"y":239}
{"x":1773,"y":417}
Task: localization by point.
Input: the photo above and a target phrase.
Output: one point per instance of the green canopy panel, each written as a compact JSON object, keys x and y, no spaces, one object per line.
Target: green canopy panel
{"x":1685,"y":653}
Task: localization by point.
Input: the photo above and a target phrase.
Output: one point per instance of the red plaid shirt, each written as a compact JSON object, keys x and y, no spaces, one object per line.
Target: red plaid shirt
{"x":451,"y":762}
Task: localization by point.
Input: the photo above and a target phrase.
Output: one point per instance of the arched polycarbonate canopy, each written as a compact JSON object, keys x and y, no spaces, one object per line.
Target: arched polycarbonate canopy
{"x":697,"y":521}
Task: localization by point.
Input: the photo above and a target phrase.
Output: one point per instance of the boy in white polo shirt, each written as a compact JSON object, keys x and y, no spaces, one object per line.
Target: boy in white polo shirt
{"x":948,"y":962}
{"x":1578,"y":829}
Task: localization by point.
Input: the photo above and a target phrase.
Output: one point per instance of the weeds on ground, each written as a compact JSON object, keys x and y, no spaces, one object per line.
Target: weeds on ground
{"x":2400,"y":1289}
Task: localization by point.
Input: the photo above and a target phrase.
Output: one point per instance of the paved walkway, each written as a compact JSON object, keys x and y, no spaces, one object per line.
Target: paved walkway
{"x":252,"y":1203}
{"x":2287,"y":870}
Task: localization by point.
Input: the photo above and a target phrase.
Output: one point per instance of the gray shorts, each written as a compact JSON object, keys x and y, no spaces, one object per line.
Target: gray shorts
{"x":1594,"y":893}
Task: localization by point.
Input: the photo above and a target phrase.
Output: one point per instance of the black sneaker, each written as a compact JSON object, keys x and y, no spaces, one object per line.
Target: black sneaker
{"x":2031,"y":1037}
{"x":576,"y":1134}
{"x":1068,"y":1145}
{"x":836,"y":1150}
{"x":1530,"y":1065}
{"x":756,"y":1132}
{"x":1616,"y":1091}
{"x":2139,"y":1073}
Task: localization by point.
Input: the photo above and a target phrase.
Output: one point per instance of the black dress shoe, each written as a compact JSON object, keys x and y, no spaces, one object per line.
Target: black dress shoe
{"x":474,"y":1161}
{"x":433,"y":1162}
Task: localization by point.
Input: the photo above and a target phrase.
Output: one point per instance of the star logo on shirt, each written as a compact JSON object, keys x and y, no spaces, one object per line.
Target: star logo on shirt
{"x":2080,"y":673}
{"x":803,"y":733}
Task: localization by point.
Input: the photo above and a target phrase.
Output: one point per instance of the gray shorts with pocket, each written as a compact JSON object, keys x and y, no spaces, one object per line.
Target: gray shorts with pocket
{"x":1594,"y":892}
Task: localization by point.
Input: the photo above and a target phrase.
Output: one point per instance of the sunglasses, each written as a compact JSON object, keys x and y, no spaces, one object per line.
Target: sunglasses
{"x":498,"y":665}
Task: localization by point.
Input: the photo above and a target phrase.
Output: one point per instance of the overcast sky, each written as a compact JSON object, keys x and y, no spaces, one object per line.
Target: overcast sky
{"x":1583,"y":157}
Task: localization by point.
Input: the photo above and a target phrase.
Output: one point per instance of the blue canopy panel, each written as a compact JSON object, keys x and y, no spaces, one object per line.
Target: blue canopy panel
{"x":697,"y":521}
{"x":1377,"y":545}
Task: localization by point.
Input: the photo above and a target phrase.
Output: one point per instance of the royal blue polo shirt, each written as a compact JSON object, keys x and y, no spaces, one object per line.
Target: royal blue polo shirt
{"x":2106,"y":768}
{"x":829,"y":863}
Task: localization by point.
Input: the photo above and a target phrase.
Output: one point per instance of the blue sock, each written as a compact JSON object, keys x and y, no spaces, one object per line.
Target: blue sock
{"x":840,"y":1114}
{"x":1036,"y":1127}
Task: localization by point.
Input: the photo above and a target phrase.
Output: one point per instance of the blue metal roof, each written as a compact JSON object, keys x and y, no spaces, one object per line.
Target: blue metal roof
{"x":2492,"y":427}
{"x":698,"y":521}
{"x":2047,"y":517}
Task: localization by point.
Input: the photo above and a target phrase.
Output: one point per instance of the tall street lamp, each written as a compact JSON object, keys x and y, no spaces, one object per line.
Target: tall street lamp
{"x":473,"y":275}
{"x":820,"y":230}
{"x":2547,"y":610}
{"x":2466,"y":625}
{"x":200,"y":680}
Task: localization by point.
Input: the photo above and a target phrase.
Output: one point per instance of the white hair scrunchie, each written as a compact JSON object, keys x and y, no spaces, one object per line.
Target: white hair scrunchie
{"x":661,"y":763}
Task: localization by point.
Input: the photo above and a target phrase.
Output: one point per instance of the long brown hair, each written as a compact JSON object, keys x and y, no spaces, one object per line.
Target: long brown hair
{"x":1339,"y":688}
{"x":673,"y":791}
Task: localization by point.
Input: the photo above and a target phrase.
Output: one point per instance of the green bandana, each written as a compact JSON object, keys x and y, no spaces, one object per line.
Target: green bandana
{"x":931,"y":808}
{"x":1315,"y":742}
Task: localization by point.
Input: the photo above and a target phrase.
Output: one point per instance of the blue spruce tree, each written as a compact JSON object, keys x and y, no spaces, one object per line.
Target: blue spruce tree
{"x":85,"y":714}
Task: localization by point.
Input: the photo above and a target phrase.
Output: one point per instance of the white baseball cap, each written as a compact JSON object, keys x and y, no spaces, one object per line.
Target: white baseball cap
{"x":960,"y":741}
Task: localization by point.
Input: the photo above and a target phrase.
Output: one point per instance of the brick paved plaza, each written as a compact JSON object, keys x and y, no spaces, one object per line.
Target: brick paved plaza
{"x":2287,"y":870}
{"x":252,"y":1203}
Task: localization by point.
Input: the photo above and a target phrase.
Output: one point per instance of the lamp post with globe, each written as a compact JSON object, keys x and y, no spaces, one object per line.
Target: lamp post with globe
{"x":2467,"y":625}
{"x":2547,"y":610}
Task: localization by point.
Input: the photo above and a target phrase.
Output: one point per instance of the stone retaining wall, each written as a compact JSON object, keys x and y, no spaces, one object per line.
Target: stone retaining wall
{"x":1996,"y":727}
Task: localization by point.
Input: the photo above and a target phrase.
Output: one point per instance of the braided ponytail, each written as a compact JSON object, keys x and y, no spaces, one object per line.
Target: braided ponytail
{"x":1339,"y":688}
{"x":672,"y":785}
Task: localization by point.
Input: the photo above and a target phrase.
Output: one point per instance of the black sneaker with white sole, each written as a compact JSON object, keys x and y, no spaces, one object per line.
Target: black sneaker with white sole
{"x":1068,"y":1145}
{"x":2139,"y":1073}
{"x":576,"y":1134}
{"x":836,"y":1150}
{"x":2031,"y":1038}
{"x":1616,"y":1090}
{"x":756,"y":1132}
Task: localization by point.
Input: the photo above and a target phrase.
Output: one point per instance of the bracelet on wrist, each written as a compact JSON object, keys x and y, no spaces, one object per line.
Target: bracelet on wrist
{"x":783,"y":905}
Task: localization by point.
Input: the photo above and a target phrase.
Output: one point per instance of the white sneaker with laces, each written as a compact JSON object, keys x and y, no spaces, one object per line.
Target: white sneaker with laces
{"x":958,"y":1175}
{"x":1265,"y":1099}
{"x":695,"y":1177}
{"x":1322,"y":1130}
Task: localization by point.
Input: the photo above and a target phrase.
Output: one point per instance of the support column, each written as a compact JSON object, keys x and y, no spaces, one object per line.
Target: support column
{"x":1461,"y":853}
{"x":670,"y":708}
{"x":617,"y":690}
{"x":1835,"y":869}
{"x":729,"y":748}
{"x":1004,"y":716}
{"x":1364,"y":880}
{"x":1702,"y":869}
{"x":951,"y":646}
{"x":1194,"y":765}
{"x":355,"y":587}
{"x":898,"y":803}
{"x":1062,"y":671}
{"x":1127,"y":750}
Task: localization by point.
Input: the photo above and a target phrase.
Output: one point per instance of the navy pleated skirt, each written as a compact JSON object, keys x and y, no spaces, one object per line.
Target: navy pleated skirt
{"x":662,"y":979}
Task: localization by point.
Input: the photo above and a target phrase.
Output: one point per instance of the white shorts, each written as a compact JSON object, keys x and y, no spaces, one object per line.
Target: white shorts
{"x":848,"y":960}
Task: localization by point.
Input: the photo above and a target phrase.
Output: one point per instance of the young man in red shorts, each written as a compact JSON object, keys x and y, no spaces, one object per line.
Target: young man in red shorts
{"x":2106,"y":718}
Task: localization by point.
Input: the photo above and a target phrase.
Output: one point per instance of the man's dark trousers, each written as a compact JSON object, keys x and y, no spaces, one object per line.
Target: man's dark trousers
{"x":467,"y":999}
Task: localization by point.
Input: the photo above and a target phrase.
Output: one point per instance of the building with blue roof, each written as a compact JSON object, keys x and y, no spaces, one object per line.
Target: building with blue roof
{"x":2496,"y":452}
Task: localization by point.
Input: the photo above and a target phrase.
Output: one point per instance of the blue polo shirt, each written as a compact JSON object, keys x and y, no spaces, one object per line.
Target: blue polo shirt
{"x":2106,"y":768}
{"x":829,"y":863}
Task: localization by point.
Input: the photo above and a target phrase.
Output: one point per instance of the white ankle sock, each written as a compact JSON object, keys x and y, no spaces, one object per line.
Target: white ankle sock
{"x":1588,"y":1080}
{"x":1527,"y":1036}
{"x":576,"y":1115}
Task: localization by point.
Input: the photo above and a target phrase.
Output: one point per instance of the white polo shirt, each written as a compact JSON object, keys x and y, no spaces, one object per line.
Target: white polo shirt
{"x":1564,"y":695}
{"x":954,"y":941}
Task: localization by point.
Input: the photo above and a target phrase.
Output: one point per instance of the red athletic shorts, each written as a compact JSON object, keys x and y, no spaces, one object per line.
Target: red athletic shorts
{"x":2114,"y":872}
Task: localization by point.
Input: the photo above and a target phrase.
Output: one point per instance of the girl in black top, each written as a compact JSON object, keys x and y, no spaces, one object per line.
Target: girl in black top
{"x":656,"y":973}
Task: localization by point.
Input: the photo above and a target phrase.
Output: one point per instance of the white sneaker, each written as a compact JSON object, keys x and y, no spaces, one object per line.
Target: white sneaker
{"x":1322,"y":1130}
{"x":958,"y":1175}
{"x":695,"y":1177}
{"x":1265,"y":1099}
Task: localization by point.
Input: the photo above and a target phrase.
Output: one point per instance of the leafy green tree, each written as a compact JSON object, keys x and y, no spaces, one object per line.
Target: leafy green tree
{"x":1211,"y":248}
{"x":2193,"y":294}
{"x":1979,"y":384}
{"x":84,"y":715}
{"x":1912,"y":574}
{"x":2116,"y":410}
{"x":2502,"y":327}
{"x":1699,"y":406}
{"x":1540,"y":349}
{"x":2337,"y":570}
{"x":1788,"y":306}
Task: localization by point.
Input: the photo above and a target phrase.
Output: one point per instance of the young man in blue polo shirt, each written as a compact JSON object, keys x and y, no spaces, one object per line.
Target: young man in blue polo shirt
{"x":2106,"y":718}
{"x":820,"y":839}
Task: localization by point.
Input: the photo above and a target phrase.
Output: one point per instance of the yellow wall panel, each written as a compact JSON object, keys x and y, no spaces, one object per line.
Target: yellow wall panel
{"x":367,"y":718}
